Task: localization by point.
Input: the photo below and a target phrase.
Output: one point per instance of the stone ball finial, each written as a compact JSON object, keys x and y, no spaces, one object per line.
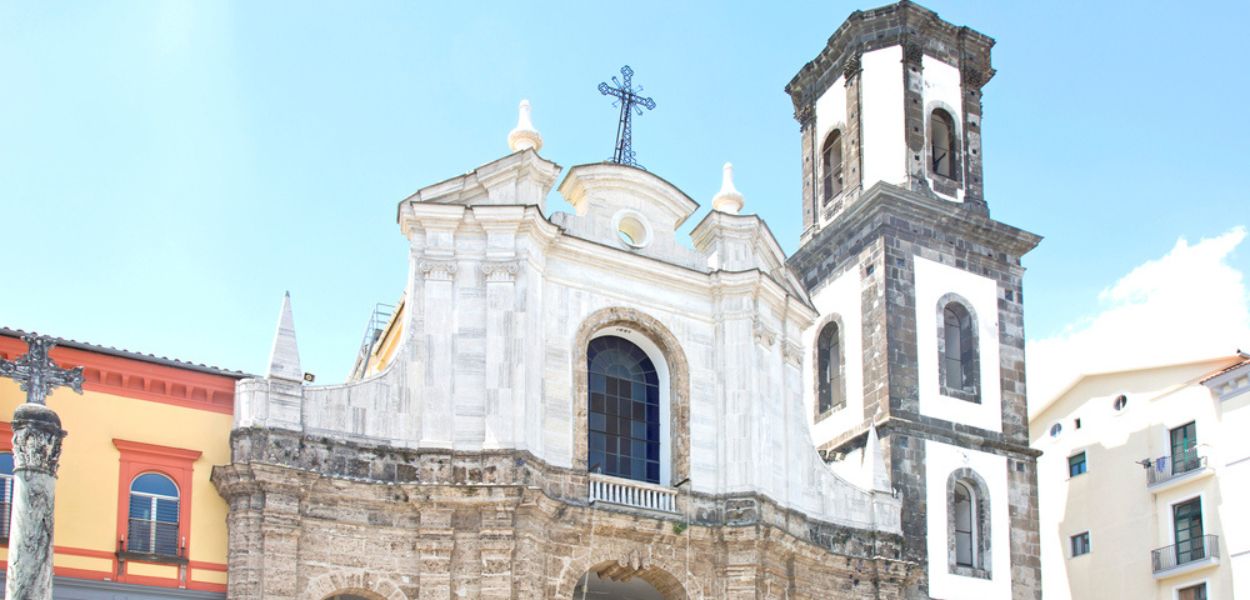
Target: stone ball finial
{"x":728,"y":199}
{"x":524,"y":136}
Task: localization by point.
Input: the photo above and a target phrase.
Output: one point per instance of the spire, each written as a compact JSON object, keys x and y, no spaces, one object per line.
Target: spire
{"x":877,"y":473}
{"x":524,"y":136}
{"x":284,"y":358}
{"x":728,"y":199}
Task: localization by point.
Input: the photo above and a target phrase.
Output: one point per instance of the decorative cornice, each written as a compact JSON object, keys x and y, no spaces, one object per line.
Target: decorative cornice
{"x":913,"y":53}
{"x":854,"y":65}
{"x":438,"y":270}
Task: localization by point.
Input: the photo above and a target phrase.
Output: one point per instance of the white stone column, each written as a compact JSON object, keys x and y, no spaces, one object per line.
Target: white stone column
{"x":37,"y":436}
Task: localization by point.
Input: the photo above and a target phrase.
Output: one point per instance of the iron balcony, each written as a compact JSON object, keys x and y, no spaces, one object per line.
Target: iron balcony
{"x":1174,"y":467}
{"x":1204,"y":549}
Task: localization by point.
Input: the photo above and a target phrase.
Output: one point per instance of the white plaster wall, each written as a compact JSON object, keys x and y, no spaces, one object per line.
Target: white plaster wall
{"x":940,"y":461}
{"x":1112,"y":501}
{"x":884,"y":129}
{"x":942,"y":90}
{"x":830,"y":111}
{"x":1235,"y":487}
{"x":934,"y":280}
{"x":843,"y":296}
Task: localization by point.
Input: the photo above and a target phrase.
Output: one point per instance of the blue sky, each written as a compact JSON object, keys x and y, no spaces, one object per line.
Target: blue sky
{"x":168,"y":169}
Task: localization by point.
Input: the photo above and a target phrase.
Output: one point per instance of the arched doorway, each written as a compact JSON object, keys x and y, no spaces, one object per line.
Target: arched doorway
{"x":615,"y":581}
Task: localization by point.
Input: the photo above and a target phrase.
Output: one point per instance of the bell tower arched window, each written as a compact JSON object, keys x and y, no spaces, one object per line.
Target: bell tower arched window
{"x":959,"y":360}
{"x":831,"y":166}
{"x":830,"y":388}
{"x":943,"y":150}
{"x":624,"y":428}
{"x":968,"y":523}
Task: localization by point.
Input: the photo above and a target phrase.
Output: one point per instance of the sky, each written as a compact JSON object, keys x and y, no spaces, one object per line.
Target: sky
{"x":169,"y":169}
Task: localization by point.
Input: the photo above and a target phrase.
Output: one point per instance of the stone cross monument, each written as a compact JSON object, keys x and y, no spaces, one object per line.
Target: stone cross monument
{"x":37,"y":436}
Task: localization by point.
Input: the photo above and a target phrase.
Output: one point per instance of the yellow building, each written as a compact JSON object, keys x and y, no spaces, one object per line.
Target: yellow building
{"x":1143,"y":483}
{"x":136,"y":515}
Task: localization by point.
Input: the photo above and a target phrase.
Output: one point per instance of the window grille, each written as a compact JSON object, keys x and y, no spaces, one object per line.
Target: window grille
{"x":153,"y":518}
{"x":942,"y":144}
{"x":830,"y":387}
{"x":831,"y":166}
{"x":965,"y":508}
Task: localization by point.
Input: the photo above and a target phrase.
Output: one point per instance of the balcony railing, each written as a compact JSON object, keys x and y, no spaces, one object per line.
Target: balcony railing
{"x":1190,"y":551}
{"x":1167,"y":468}
{"x":636,"y":494}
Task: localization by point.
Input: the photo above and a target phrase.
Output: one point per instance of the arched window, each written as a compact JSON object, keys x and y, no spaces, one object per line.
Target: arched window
{"x":965,"y":534}
{"x":943,"y":154}
{"x":153,"y":526}
{"x":959,"y":366}
{"x":830,"y":389}
{"x":831,"y":165}
{"x":624,"y":413}
{"x":6,"y":493}
{"x":968,"y":523}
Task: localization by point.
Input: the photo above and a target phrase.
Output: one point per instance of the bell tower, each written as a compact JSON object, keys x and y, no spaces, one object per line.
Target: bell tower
{"x":894,"y":97}
{"x":920,"y":341}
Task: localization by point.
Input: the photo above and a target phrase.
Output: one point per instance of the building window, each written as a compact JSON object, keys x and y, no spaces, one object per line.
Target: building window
{"x":1056,"y":429}
{"x":942,"y":144}
{"x":831,"y":165}
{"x":958,"y":362}
{"x":1080,"y":544}
{"x":6,"y":494}
{"x":1187,"y":520}
{"x":1076,"y":465}
{"x":1121,"y":401}
{"x":153,"y":525}
{"x":831,"y":388}
{"x":624,"y":415}
{"x":1193,"y":592}
{"x":1185,"y":448}
{"x":968,"y":523}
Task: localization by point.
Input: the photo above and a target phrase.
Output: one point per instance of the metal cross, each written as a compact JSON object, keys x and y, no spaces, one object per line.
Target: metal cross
{"x":36,"y":373}
{"x":629,"y":100}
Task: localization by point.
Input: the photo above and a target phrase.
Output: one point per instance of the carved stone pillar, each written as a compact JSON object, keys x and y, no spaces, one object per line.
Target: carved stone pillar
{"x":37,"y":436}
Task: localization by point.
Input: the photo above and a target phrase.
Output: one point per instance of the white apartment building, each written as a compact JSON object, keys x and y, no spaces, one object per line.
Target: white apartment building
{"x":1144,"y":482}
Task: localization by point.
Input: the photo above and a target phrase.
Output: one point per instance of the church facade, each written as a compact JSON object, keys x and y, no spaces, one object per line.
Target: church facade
{"x":580,"y":405}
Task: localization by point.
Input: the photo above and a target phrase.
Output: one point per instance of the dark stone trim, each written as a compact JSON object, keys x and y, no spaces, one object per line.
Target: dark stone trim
{"x":973,"y":395}
{"x":835,"y":320}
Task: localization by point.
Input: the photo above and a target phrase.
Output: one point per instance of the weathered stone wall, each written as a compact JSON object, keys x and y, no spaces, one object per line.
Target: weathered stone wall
{"x":311,"y":517}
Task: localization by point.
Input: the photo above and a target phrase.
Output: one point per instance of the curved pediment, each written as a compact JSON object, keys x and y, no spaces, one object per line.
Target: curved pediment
{"x":628,"y":207}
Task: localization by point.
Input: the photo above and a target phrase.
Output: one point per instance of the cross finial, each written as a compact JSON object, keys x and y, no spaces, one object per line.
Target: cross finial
{"x":35,"y":372}
{"x":630,"y":100}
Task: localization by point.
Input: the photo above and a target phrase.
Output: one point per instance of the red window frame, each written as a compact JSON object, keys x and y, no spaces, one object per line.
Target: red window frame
{"x":177,"y":464}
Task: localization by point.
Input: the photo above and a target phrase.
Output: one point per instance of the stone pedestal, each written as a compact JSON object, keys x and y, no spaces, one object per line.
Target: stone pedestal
{"x":37,"y":436}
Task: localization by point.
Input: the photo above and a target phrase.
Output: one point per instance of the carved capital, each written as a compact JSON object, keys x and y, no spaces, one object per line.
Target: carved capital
{"x":805,"y":115}
{"x":499,"y":271}
{"x":37,"y":436}
{"x":438,"y":270}
{"x":764,"y":334}
{"x":793,"y":353}
{"x":854,"y":65}
{"x":971,"y":77}
{"x":913,"y":53}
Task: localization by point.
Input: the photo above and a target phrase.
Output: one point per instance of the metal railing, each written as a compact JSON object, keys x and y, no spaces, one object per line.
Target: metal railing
{"x":626,"y":492}
{"x":1166,"y":468}
{"x":378,"y":320}
{"x":1178,"y":555}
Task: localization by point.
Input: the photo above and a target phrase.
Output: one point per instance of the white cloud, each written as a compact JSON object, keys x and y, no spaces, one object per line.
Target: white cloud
{"x":1190,"y":304}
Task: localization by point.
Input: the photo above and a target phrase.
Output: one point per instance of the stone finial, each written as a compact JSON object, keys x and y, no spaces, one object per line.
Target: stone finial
{"x":728,"y":199}
{"x":524,"y":136}
{"x":284,"y":358}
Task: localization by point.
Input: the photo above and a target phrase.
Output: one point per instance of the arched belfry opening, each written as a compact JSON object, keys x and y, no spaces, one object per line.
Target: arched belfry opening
{"x":612,"y":580}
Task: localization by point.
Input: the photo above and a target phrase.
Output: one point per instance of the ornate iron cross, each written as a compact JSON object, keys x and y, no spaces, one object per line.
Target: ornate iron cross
{"x":36,"y":373}
{"x":629,"y":100}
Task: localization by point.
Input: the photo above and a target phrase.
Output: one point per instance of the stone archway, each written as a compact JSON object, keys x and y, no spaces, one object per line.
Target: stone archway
{"x":612,"y":580}
{"x":352,"y":586}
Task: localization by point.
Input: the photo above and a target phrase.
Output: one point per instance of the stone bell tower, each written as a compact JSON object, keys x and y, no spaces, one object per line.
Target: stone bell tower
{"x":920,"y":340}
